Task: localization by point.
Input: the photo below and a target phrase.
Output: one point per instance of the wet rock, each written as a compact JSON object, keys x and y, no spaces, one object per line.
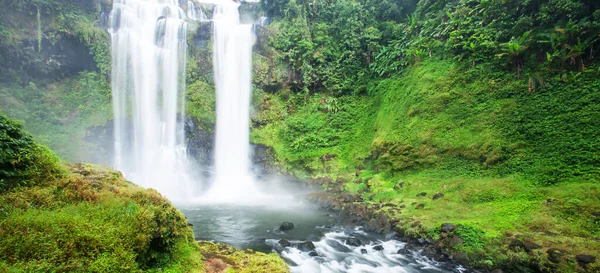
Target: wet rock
{"x":378,"y":248}
{"x":456,"y":241}
{"x":403,"y":251}
{"x":554,"y":254}
{"x":313,"y":254}
{"x":421,"y":194}
{"x":448,"y":227}
{"x":353,"y":242}
{"x":286,"y":226}
{"x":284,"y":243}
{"x":529,"y":246}
{"x":305,"y":246}
{"x":363,"y":251}
{"x":444,"y":255}
{"x":438,"y":196}
{"x":190,"y":225}
{"x":584,"y":259}
{"x":420,"y":206}
{"x":460,"y":258}
{"x":200,"y":143}
{"x":391,"y":236}
{"x":338,"y":246}
{"x":421,"y":241}
{"x":516,"y":245}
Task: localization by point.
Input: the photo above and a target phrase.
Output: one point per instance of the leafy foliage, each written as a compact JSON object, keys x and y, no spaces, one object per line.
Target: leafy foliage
{"x":22,"y":161}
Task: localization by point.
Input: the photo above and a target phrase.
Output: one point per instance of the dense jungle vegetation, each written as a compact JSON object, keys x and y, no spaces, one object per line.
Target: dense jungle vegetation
{"x":492,"y":104}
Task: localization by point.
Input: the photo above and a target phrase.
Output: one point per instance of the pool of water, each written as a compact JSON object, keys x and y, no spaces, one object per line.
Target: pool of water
{"x":319,"y":242}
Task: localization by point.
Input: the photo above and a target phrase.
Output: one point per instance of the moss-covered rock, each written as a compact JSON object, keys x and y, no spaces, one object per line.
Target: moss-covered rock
{"x":93,"y":220}
{"x":224,"y":258}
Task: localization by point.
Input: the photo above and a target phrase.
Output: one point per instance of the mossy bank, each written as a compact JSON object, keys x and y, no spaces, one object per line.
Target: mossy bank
{"x":86,"y":218}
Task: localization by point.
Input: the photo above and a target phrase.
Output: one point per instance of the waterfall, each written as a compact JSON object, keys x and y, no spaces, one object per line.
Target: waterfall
{"x":195,"y":13}
{"x":148,"y":84}
{"x":232,"y":59}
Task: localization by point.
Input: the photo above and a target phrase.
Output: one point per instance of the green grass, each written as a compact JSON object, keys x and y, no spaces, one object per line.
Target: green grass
{"x":512,"y":163}
{"x":93,"y":221}
{"x":492,"y":211}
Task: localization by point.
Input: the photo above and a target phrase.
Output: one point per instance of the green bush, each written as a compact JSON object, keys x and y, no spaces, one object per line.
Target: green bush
{"x":22,"y":161}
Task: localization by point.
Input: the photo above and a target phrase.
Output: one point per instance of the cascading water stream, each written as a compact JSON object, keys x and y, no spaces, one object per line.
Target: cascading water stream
{"x":232,"y":58}
{"x":148,"y":84}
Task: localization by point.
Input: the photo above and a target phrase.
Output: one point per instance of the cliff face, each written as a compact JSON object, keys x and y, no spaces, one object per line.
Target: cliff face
{"x":55,"y":74}
{"x":51,"y":40}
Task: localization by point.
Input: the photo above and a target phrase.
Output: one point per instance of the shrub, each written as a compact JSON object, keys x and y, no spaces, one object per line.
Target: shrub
{"x":22,"y":161}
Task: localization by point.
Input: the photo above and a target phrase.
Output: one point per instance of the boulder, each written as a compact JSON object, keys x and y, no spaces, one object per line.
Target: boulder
{"x":363,"y":251}
{"x":305,"y":246}
{"x":353,"y":242}
{"x":460,"y":258}
{"x":438,"y":196}
{"x":584,"y":259}
{"x":286,"y":226}
{"x":530,"y":246}
{"x":403,"y":251}
{"x":378,"y":248}
{"x":554,"y":254}
{"x":448,"y":227}
{"x":516,"y":245}
{"x":456,"y":241}
{"x":313,"y":254}
{"x":284,"y":243}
